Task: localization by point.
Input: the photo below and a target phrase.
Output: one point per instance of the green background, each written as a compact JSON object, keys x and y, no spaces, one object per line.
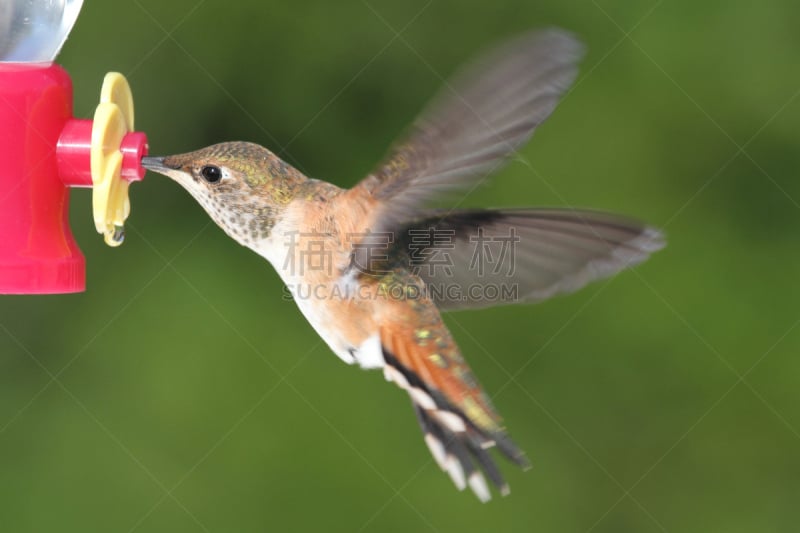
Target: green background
{"x":181,"y":393}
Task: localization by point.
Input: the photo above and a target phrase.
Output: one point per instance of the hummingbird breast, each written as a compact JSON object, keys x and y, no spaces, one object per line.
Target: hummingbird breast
{"x":309,"y":245}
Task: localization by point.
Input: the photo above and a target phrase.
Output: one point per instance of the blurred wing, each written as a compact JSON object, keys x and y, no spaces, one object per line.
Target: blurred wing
{"x":480,"y":118}
{"x":481,"y":258}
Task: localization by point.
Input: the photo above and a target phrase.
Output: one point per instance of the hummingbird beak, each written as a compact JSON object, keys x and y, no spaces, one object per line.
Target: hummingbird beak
{"x":156,"y":164}
{"x":161,"y":166}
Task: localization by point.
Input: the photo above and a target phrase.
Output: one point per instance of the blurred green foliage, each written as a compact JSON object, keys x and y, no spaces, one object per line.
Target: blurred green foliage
{"x":181,"y":393}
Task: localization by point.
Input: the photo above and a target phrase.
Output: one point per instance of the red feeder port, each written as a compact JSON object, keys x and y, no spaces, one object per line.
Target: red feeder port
{"x":43,"y":152}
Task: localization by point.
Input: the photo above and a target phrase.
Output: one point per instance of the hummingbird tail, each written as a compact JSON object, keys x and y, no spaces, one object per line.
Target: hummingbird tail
{"x":458,"y":419}
{"x":458,"y":444}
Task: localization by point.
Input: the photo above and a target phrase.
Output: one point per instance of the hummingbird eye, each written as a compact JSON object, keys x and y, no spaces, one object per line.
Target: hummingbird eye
{"x":211,"y":173}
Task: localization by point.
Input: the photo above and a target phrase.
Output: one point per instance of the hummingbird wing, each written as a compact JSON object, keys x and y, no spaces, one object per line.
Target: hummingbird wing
{"x":487,"y":111}
{"x":479,"y":258}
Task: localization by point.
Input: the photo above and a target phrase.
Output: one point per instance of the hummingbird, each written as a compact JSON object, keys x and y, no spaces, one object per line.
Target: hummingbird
{"x":373,"y":267}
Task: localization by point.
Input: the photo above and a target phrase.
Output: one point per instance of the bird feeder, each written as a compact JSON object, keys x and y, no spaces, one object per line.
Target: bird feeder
{"x":44,"y":151}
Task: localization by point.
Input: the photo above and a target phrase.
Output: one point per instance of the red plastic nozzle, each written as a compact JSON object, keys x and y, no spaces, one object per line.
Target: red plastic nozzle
{"x":72,"y":151}
{"x":134,"y":148}
{"x":74,"y":154}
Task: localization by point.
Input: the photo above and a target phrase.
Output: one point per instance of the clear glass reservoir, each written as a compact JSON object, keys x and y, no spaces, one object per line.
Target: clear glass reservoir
{"x":33,"y":31}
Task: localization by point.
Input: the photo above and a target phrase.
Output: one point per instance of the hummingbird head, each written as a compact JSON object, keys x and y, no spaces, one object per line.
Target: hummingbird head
{"x":243,"y":186}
